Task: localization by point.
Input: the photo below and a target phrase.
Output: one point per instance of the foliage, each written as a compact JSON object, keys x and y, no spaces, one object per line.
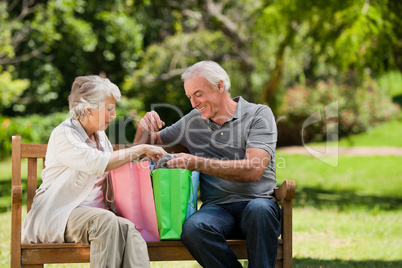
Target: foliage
{"x":154,"y":84}
{"x":385,"y":134}
{"x":355,"y":109}
{"x":143,"y":46}
{"x":10,"y":89}
{"x":59,"y":40}
{"x":37,"y":128}
{"x":337,"y":35}
{"x":392,"y":83}
{"x":32,"y":129}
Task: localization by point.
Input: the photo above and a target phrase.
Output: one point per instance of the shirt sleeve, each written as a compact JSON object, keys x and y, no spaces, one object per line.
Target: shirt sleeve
{"x":71,"y":151}
{"x":173,"y":135}
{"x":263,"y":132}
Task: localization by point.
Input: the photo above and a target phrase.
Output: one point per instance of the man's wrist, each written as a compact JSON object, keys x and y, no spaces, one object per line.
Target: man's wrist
{"x":200,"y":164}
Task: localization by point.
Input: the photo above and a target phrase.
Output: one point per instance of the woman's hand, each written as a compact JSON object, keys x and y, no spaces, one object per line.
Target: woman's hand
{"x":154,"y":152}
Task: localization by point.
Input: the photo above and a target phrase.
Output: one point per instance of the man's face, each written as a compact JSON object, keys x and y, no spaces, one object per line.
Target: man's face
{"x":203,"y":96}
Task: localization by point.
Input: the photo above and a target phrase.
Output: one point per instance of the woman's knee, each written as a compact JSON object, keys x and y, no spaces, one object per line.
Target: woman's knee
{"x":106,"y":220}
{"x":126,"y":226}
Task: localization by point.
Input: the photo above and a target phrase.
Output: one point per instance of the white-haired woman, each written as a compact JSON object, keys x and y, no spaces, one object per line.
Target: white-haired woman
{"x":69,"y":205}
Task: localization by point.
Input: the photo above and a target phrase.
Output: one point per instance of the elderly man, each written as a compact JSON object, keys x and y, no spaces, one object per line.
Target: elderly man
{"x":232,"y":143}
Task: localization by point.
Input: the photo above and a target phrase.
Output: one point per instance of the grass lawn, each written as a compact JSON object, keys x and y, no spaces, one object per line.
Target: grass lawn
{"x":371,"y":182}
{"x":387,"y":134}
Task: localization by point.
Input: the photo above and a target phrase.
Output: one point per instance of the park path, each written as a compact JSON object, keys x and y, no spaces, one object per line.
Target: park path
{"x":330,"y":151}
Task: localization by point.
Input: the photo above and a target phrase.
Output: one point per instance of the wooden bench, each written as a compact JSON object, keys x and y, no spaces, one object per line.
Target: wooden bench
{"x":35,"y":255}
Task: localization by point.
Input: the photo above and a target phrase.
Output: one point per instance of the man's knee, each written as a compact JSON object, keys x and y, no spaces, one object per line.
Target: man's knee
{"x":263,"y":208}
{"x":192,"y":230}
{"x":188,"y":230}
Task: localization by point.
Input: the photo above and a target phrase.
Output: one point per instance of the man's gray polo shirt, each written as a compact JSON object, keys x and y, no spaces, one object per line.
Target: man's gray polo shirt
{"x":252,"y":126}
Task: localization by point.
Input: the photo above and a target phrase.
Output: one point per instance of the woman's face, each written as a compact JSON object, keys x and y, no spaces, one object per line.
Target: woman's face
{"x":102,"y":117}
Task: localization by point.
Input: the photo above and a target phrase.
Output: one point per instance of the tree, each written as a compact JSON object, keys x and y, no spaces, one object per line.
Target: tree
{"x":53,"y":41}
{"x":342,"y":35}
{"x":273,"y":44}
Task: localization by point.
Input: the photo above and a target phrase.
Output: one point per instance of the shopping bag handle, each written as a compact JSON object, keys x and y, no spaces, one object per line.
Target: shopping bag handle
{"x":109,"y":176}
{"x":192,"y":190}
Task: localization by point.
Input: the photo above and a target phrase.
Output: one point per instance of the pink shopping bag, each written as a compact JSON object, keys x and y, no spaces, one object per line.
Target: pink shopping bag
{"x":133,"y":194}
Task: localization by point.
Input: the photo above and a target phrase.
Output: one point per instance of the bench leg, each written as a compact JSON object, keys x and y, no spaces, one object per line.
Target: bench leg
{"x":33,"y":266}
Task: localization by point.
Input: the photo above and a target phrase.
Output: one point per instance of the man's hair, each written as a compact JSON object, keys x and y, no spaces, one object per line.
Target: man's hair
{"x":90,"y":92}
{"x":211,"y":71}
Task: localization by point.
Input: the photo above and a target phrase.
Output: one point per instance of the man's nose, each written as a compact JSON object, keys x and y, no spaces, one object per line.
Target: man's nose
{"x":194,"y":102}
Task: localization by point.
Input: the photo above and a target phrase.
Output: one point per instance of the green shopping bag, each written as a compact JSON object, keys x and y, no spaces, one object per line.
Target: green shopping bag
{"x":171,"y":193}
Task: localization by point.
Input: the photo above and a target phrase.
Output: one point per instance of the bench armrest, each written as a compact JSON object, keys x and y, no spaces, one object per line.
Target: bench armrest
{"x":286,"y":191}
{"x":16,"y":195}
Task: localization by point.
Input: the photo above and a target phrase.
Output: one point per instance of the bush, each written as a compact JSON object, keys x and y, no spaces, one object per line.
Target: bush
{"x":32,"y":129}
{"x":354,"y":108}
{"x":37,"y":128}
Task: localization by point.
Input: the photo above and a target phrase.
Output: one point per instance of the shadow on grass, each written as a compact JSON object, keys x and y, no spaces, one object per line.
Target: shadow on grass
{"x":343,"y":200}
{"x":312,"y":263}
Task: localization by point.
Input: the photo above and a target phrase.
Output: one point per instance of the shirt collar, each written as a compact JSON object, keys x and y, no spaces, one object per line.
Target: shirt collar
{"x":81,"y":131}
{"x":241,"y":109}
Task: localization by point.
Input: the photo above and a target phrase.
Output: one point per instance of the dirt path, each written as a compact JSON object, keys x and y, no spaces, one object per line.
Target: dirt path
{"x":329,"y":151}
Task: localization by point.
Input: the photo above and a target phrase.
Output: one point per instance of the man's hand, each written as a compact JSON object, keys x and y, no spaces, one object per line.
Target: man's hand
{"x":151,"y":122}
{"x":147,"y":129}
{"x":182,"y":160}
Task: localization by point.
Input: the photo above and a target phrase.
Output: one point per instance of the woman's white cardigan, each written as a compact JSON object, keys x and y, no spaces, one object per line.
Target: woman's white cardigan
{"x":72,"y":166}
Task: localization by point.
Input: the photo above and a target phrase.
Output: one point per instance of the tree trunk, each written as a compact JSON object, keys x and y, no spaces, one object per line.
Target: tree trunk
{"x":272,"y":85}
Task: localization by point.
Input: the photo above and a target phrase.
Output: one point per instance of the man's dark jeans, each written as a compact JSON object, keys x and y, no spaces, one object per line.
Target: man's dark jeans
{"x":205,"y":233}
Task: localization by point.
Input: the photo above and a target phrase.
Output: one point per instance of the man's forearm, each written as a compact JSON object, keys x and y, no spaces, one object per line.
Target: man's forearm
{"x":245,"y":170}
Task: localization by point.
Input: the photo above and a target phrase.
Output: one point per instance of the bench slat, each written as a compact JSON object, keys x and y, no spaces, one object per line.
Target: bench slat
{"x":32,"y":181}
{"x":33,"y":150}
{"x":158,"y":251}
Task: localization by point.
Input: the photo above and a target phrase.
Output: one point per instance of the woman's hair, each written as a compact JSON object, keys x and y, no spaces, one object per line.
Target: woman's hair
{"x":90,"y":92}
{"x":211,"y":70}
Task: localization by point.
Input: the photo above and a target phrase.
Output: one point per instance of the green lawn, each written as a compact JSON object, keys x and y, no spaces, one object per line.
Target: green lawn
{"x":387,"y":134}
{"x":371,"y":182}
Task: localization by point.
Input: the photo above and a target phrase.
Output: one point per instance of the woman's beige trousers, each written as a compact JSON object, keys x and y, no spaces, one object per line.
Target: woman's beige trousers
{"x":113,"y":240}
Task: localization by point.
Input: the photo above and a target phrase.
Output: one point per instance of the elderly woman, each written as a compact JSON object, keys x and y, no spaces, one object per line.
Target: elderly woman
{"x":69,"y":205}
